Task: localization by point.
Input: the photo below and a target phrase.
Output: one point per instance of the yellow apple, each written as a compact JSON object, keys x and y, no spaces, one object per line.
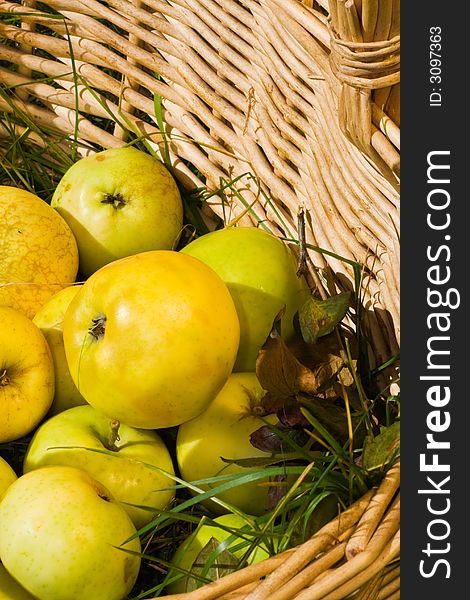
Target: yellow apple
{"x":223,"y":430}
{"x":119,"y":202}
{"x":38,"y":252}
{"x":10,"y":589}
{"x":260,"y":272}
{"x":223,"y":529}
{"x":26,"y":375}
{"x":62,"y":537}
{"x":7,"y":477}
{"x":63,"y":439}
{"x":49,"y":319}
{"x":150,"y":339}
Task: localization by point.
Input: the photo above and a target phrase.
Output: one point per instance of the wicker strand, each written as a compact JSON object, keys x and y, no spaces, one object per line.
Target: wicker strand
{"x":27,"y":26}
{"x":309,"y":573}
{"x":127,"y":82}
{"x":383,"y":584}
{"x":389,"y":588}
{"x":383,"y":548}
{"x":389,"y":553}
{"x":374,"y":513}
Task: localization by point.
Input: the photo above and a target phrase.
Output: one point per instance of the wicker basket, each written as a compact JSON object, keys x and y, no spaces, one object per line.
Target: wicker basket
{"x":356,"y":555}
{"x":298,"y":102}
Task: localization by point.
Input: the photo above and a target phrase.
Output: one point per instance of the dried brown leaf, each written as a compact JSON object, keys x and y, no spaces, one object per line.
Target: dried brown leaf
{"x":283,"y":376}
{"x":276,"y":368}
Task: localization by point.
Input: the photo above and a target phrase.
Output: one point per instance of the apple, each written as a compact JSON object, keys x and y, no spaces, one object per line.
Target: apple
{"x":38,"y":252}
{"x":49,"y":319}
{"x":150,"y":339}
{"x":11,"y":589}
{"x":119,"y":202}
{"x":223,"y":430}
{"x":63,"y":439}
{"x":62,"y":537}
{"x":190,"y":549}
{"x":26,"y":375}
{"x":7,"y":477}
{"x":260,"y":272}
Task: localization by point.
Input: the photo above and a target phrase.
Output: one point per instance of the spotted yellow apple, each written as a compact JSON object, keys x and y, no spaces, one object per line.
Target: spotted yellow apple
{"x":49,"y":319}
{"x":7,"y":477}
{"x":38,"y":251}
{"x":223,"y":431}
{"x":26,"y":375}
{"x":64,"y":537}
{"x":70,"y":438}
{"x":10,"y":589}
{"x":150,"y":339}
{"x":119,"y":202}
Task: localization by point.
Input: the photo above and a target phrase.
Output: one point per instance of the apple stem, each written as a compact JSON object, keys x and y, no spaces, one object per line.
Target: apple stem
{"x":117,"y":200}
{"x":113,"y":435}
{"x":4,"y":379}
{"x":98,"y":327}
{"x":258,"y":411}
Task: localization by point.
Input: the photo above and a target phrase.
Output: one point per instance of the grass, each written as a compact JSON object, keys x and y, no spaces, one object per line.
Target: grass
{"x":329,"y":473}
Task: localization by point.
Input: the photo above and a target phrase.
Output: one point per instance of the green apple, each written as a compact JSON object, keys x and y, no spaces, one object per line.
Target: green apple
{"x":188,"y":552}
{"x":63,"y":439}
{"x":7,"y":477}
{"x":11,"y":589}
{"x":150,"y":339}
{"x":223,"y":430}
{"x":119,"y":202}
{"x":49,"y":319}
{"x":62,"y":537}
{"x":260,"y":272}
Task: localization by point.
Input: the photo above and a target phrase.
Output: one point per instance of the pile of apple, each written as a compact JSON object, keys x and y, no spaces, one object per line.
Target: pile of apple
{"x":110,"y":332}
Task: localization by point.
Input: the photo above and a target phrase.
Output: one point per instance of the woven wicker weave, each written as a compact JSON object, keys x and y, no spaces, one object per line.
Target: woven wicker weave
{"x":300,"y":102}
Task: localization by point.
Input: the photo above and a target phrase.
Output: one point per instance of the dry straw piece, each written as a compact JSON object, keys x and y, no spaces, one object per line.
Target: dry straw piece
{"x":296,"y":101}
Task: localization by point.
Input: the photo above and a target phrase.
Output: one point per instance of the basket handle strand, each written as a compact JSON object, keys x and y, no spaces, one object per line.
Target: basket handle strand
{"x":365,"y":57}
